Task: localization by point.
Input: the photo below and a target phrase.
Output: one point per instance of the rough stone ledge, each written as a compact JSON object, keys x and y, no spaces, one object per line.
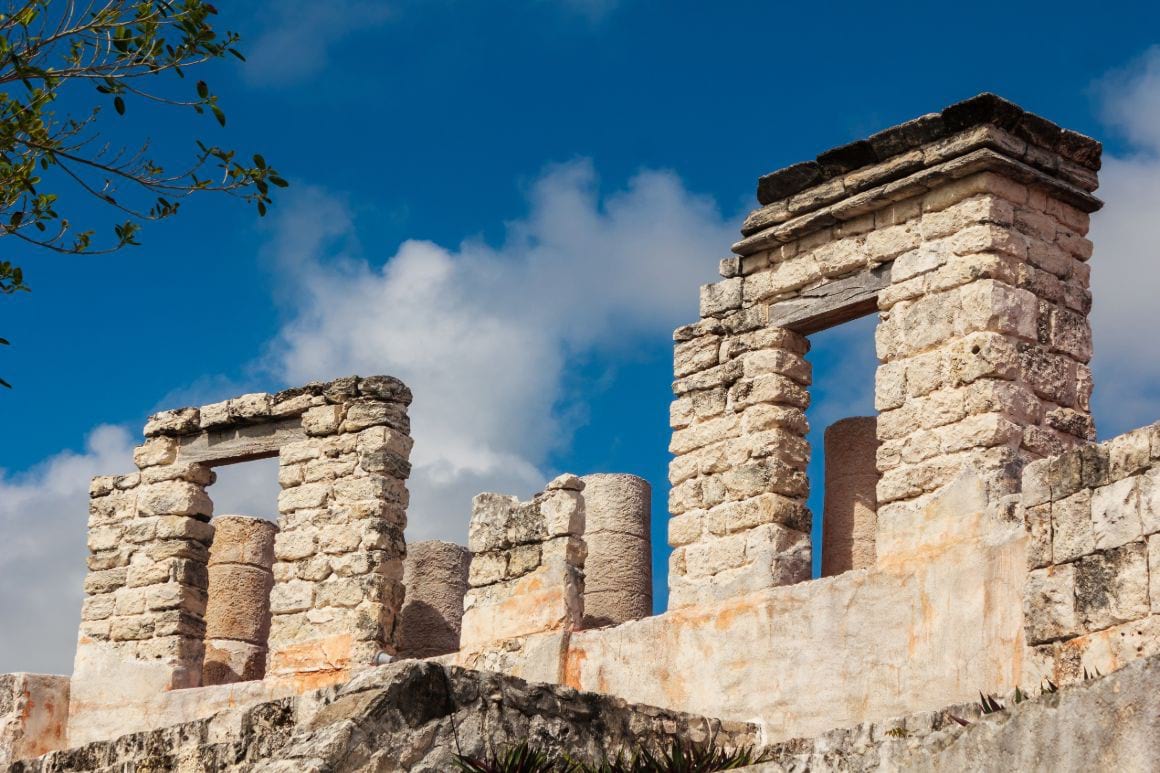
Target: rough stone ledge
{"x":983,"y":109}
{"x":923,"y":181}
{"x":1091,"y":466}
{"x":412,"y":715}
{"x":260,"y":407}
{"x":1109,"y":723}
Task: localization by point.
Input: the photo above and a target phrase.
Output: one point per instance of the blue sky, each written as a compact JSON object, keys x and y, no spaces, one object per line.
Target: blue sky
{"x":511,"y":205}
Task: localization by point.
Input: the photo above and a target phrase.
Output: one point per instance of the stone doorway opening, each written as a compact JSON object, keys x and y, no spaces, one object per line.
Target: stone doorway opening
{"x":843,"y":444}
{"x":240,"y":571}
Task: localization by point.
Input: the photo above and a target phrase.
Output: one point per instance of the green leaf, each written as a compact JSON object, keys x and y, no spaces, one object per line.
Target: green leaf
{"x":5,"y":384}
{"x":218,"y":114}
{"x":4,"y":342}
{"x":259,"y":161}
{"x":202,"y":89}
{"x":119,"y":105}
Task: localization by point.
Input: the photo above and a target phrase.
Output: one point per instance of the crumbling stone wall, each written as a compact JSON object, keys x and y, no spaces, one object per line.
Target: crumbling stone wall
{"x":342,"y":448}
{"x":412,"y":715}
{"x":527,"y":564}
{"x":33,"y":715}
{"x":1092,"y":599}
{"x":966,"y":231}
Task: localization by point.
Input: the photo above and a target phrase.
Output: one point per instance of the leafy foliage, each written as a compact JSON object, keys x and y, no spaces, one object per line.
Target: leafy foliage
{"x":124,"y":50}
{"x":678,"y":757}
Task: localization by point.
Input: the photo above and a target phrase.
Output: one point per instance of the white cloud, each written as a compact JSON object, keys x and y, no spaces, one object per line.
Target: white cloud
{"x":1130,"y":100}
{"x":300,"y":35}
{"x":43,"y":523}
{"x":1126,"y":234}
{"x":484,"y":335}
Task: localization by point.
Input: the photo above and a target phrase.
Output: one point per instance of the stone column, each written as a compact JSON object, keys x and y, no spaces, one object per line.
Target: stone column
{"x":339,"y":553}
{"x":738,"y":499}
{"x":618,"y":570}
{"x":435,"y":578}
{"x":145,"y":592}
{"x":527,"y":564}
{"x":851,"y":504}
{"x":237,"y":616}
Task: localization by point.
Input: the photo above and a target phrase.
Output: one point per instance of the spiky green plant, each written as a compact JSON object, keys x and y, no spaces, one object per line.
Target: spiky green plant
{"x":677,"y":757}
{"x":519,"y":758}
{"x":989,"y":704}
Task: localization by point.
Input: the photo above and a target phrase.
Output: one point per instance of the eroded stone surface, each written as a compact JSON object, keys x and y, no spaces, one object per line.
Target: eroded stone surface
{"x":407,"y":716}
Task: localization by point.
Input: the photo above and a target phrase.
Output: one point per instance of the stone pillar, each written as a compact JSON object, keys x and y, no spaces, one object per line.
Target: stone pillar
{"x":618,"y":570}
{"x":339,"y":553}
{"x":435,"y":578}
{"x":237,"y":616}
{"x":738,"y":499}
{"x":145,"y":592}
{"x":527,"y":564}
{"x":851,"y":504}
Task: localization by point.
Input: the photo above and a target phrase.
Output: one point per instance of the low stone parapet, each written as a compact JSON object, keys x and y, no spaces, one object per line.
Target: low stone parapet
{"x":33,"y":715}
{"x":527,"y":564}
{"x":1092,"y":599}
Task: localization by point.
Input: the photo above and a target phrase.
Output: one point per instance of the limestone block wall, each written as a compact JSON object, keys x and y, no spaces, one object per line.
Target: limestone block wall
{"x":145,"y":592}
{"x":851,"y":502}
{"x":739,"y":522}
{"x":925,"y":628}
{"x":527,"y":564}
{"x":237,"y":614}
{"x":342,"y":448}
{"x":618,"y":569}
{"x":966,"y":231}
{"x":435,"y":578}
{"x":1092,"y":599}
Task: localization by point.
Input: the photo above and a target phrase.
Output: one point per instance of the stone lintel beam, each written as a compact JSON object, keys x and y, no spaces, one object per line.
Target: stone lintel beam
{"x":849,"y":207}
{"x":832,"y":303}
{"x":240,"y":444}
{"x":1025,"y":132}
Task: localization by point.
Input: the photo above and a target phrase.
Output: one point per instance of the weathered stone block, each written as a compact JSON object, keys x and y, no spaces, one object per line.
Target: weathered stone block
{"x":1049,"y":604}
{"x":1071,"y":527}
{"x":174,"y":498}
{"x":1116,"y":513}
{"x":1112,"y":586}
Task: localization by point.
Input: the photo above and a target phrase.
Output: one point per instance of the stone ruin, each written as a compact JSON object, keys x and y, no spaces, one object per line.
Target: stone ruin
{"x":976,"y":538}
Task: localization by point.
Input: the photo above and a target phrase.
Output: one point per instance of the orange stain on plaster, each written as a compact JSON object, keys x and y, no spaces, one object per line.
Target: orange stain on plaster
{"x":314,"y":664}
{"x":573,"y":665}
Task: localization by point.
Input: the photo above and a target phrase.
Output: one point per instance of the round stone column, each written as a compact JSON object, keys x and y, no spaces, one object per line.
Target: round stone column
{"x":435,"y":576}
{"x":237,"y":615}
{"x":618,"y":570}
{"x":851,"y":505}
